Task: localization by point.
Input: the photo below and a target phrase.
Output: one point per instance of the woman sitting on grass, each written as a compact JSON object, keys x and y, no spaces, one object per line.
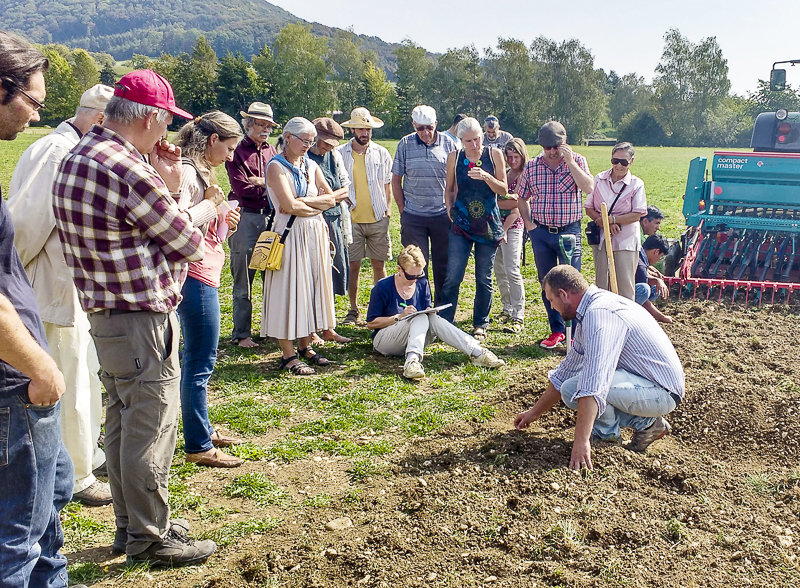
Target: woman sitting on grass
{"x":396,"y":297}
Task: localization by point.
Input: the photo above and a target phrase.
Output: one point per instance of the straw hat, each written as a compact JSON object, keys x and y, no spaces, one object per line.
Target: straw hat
{"x":361,"y":118}
{"x":259,"y":111}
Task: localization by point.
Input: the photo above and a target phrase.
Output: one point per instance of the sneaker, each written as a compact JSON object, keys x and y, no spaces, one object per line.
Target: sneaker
{"x":487,"y":359}
{"x":413,"y":370}
{"x":553,"y":341}
{"x":351,"y":317}
{"x":641,"y":440}
{"x":97,"y":494}
{"x":175,"y":549}
{"x":514,"y":326}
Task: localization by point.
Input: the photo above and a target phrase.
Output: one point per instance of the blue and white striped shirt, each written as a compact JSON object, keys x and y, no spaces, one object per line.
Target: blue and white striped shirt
{"x":613,"y":333}
{"x":424,"y":172}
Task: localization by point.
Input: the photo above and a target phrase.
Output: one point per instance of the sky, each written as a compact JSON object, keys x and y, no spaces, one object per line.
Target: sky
{"x":623,"y":35}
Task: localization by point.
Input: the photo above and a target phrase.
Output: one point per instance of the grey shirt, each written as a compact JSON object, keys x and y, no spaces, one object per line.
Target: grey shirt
{"x":424,"y":172}
{"x":499,"y":141}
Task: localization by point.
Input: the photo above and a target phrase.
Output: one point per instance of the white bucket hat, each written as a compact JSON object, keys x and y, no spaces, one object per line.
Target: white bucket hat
{"x":361,"y":118}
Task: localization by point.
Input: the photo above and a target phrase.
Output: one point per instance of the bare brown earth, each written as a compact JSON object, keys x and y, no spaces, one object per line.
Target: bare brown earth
{"x":480,"y":504}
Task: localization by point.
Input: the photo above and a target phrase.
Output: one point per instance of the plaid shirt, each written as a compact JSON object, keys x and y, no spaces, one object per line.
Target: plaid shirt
{"x":123,"y":235}
{"x":555,"y":197}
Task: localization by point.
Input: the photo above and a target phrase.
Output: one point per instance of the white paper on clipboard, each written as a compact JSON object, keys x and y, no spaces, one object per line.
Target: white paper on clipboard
{"x":223,"y":228}
{"x":434,"y":309}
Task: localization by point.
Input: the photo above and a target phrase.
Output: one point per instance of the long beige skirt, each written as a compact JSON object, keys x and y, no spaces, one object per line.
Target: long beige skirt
{"x":298,"y":298}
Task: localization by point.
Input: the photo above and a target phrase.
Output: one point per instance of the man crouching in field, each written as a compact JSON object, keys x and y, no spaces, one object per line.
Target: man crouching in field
{"x":622,"y":370}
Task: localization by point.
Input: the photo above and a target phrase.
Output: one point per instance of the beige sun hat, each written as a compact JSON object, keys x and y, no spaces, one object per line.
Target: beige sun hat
{"x":97,"y":97}
{"x":361,"y":118}
{"x":259,"y":111}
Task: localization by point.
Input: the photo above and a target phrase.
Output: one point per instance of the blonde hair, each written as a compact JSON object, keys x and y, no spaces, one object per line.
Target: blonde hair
{"x":410,"y":256}
{"x":193,"y":138}
{"x":516,"y":145}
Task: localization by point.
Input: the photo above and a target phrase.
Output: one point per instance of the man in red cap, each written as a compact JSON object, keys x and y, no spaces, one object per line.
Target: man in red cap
{"x":128,"y":245}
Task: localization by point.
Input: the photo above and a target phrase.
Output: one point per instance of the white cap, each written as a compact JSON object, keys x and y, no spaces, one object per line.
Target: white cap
{"x":424,"y":115}
{"x":97,"y":97}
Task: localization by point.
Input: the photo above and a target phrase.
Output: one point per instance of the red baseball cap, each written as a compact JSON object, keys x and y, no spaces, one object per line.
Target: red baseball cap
{"x":147,"y":87}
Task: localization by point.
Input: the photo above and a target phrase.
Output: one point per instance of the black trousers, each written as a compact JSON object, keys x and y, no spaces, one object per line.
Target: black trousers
{"x":432,"y":235}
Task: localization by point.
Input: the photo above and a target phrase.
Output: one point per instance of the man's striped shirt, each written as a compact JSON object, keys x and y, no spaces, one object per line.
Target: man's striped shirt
{"x":613,"y":333}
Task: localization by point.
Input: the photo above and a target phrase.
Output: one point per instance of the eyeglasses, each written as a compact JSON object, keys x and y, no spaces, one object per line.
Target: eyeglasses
{"x":549,"y":147}
{"x":412,"y":278}
{"x":37,"y":105}
{"x":424,"y":128}
{"x":303,"y":141}
{"x":622,"y":162}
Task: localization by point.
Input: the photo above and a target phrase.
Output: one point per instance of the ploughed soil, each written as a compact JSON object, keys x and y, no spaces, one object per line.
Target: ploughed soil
{"x":481,"y":504}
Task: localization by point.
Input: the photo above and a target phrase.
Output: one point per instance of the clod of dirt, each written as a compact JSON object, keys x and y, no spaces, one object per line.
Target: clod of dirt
{"x":339,"y":524}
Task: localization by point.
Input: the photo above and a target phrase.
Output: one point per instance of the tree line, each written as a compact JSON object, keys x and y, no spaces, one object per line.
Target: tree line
{"x":688,"y":103}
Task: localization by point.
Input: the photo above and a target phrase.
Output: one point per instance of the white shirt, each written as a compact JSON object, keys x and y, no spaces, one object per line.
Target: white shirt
{"x":30,"y":204}
{"x":378,"y":162}
{"x":632,"y":199}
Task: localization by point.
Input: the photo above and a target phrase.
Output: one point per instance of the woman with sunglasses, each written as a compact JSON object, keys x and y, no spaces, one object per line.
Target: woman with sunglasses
{"x":298,"y":298}
{"x":396,"y":298}
{"x":624,"y":195}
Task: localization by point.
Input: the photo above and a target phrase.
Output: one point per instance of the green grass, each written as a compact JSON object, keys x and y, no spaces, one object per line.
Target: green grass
{"x":85,"y":572}
{"x":258,"y":488}
{"x":230,"y":532}
{"x":365,"y":468}
{"x":80,"y":528}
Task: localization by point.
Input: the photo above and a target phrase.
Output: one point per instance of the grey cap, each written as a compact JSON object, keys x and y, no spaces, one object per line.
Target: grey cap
{"x":552,"y":133}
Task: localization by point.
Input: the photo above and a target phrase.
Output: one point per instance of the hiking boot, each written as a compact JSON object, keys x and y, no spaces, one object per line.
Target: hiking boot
{"x":553,"y":341}
{"x":351,"y":317}
{"x":97,"y":494}
{"x":413,"y":370}
{"x":214,"y":458}
{"x":176,"y":549}
{"x":487,"y":359}
{"x":120,"y":540}
{"x":641,"y":440}
{"x":101,"y":470}
{"x":514,"y":326}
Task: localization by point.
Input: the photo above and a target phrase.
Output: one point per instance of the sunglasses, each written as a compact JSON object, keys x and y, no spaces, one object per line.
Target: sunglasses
{"x":424,"y":128}
{"x":37,"y":105}
{"x":549,"y":147}
{"x":622,"y":162}
{"x":412,"y":278}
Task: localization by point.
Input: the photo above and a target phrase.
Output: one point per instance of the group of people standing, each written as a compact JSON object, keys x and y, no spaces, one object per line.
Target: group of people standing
{"x":121,"y":234}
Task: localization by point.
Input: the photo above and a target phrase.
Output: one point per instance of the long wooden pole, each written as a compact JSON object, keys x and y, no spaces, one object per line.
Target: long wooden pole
{"x":612,"y":269}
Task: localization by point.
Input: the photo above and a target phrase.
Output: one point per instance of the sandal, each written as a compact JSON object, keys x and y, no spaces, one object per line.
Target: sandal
{"x":298,"y":369}
{"x":479,"y":334}
{"x":351,"y":317}
{"x":314,"y":358}
{"x":514,"y":326}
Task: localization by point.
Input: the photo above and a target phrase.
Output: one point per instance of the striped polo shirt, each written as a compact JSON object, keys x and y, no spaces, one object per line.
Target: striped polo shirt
{"x":613,"y":333}
{"x":424,"y":172}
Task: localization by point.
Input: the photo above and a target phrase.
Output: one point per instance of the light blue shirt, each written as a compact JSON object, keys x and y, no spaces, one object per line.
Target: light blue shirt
{"x":613,"y":333}
{"x":424,"y":172}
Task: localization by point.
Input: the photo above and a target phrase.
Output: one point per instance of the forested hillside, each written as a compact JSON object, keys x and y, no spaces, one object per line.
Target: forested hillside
{"x":148,"y":27}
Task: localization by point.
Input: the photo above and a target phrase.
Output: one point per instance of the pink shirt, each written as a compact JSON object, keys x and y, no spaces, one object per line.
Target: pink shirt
{"x":209,"y":270}
{"x":632,"y":199}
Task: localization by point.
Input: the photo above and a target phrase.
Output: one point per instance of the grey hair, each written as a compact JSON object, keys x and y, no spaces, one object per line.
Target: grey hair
{"x":624,"y":147}
{"x":127,"y":112}
{"x":467,"y":125}
{"x":85,"y":110}
{"x":299,"y":125}
{"x":247,"y":124}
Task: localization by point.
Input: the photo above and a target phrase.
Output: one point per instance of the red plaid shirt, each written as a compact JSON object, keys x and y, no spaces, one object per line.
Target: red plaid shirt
{"x":123,"y":235}
{"x":555,"y":198}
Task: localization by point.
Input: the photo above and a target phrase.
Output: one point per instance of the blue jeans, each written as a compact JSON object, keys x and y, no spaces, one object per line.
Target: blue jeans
{"x":547,"y":253}
{"x":458,"y":252}
{"x":36,"y":482}
{"x":200,"y":315}
{"x":632,"y":401}
{"x":645,"y":292}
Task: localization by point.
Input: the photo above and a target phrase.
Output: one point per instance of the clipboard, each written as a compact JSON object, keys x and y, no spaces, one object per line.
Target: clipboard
{"x":434,"y":309}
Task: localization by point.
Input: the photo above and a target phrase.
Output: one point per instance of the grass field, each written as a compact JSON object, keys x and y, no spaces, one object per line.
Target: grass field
{"x":359,"y":415}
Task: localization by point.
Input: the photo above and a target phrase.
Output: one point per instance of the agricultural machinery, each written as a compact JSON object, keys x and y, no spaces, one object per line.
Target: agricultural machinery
{"x":744,"y":223}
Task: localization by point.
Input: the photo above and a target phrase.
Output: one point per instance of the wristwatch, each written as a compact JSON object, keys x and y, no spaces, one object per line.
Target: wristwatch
{"x":396,"y":318}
